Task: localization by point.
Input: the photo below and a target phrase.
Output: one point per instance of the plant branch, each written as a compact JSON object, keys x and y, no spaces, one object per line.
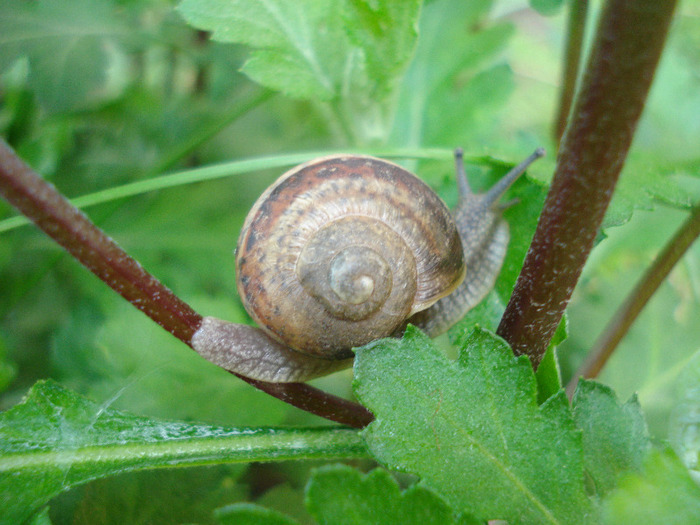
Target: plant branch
{"x":627,"y":48}
{"x":628,"y":312}
{"x":576,"y":28}
{"x":70,"y":228}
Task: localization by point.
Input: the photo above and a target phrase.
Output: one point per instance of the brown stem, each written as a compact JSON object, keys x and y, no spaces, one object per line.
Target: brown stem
{"x":627,"y":48}
{"x":69,"y":227}
{"x":620,"y":324}
{"x":576,"y":26}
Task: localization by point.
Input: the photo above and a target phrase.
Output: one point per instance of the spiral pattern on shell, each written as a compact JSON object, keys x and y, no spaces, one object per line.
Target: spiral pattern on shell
{"x":340,"y":251}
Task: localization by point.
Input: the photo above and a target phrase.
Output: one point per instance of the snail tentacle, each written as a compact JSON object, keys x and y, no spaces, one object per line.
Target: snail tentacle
{"x":484,"y":234}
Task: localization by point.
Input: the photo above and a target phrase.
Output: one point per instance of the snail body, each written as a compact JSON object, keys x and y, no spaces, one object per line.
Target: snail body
{"x":347,"y":249}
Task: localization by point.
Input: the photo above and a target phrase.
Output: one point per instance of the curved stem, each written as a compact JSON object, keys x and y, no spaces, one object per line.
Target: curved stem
{"x":627,"y":49}
{"x":620,"y":324}
{"x":69,"y":227}
{"x":576,"y":28}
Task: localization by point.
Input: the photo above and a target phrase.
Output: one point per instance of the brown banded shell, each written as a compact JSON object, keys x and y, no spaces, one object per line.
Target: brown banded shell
{"x":342,"y":250}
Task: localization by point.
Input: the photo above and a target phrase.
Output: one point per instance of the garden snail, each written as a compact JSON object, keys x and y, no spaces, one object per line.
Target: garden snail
{"x":346,"y":249}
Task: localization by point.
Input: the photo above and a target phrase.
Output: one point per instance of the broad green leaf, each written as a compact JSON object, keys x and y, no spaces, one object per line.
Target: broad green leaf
{"x":472,"y":429}
{"x":663,"y":493}
{"x":56,"y":439}
{"x":289,"y":53}
{"x":67,"y":43}
{"x":615,"y":437}
{"x":342,"y":495}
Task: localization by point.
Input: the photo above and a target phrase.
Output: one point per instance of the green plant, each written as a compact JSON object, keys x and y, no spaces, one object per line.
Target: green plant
{"x":101,"y":97}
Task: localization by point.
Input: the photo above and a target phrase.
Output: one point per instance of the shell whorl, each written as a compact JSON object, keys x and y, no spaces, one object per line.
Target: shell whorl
{"x":340,"y":251}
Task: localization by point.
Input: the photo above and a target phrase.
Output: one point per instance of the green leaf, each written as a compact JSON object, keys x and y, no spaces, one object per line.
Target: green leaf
{"x":386,"y":31}
{"x":548,"y":372}
{"x":663,"y":493}
{"x":284,"y":37}
{"x":548,"y":375}
{"x":68,"y":45}
{"x":250,"y":514}
{"x":176,"y":495}
{"x":350,"y":54}
{"x":615,"y":437}
{"x":42,"y":518}
{"x":341,"y":495}
{"x":684,"y":427}
{"x":452,"y":87}
{"x":472,"y":429}
{"x":56,"y":439}
{"x":338,"y":494}
{"x":664,"y":338}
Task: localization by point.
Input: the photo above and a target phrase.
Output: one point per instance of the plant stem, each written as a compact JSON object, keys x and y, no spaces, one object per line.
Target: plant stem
{"x":620,"y":324}
{"x":627,"y":48}
{"x":70,"y":228}
{"x":576,"y":27}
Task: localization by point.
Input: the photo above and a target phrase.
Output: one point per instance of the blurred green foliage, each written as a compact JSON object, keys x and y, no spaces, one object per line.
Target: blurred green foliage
{"x":94,"y":94}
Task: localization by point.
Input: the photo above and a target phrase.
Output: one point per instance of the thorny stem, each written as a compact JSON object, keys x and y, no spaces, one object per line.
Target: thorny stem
{"x":628,"y":45}
{"x":70,"y":228}
{"x":625,"y":316}
{"x":576,"y":27}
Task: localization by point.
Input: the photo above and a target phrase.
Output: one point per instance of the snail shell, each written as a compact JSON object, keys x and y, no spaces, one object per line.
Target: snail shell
{"x":342,"y":250}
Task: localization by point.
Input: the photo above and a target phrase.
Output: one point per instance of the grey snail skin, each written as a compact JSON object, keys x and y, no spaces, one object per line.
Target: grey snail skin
{"x":346,"y":249}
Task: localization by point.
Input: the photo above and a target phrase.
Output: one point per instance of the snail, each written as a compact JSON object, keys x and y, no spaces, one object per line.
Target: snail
{"x":346,"y":249}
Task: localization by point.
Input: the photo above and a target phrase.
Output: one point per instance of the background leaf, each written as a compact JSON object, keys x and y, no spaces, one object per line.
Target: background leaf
{"x":339,"y":494}
{"x":684,"y":427}
{"x":650,"y":358}
{"x":615,"y":437}
{"x":250,"y":514}
{"x":349,"y":54}
{"x":448,"y":91}
{"x":69,"y":47}
{"x":646,"y":498}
